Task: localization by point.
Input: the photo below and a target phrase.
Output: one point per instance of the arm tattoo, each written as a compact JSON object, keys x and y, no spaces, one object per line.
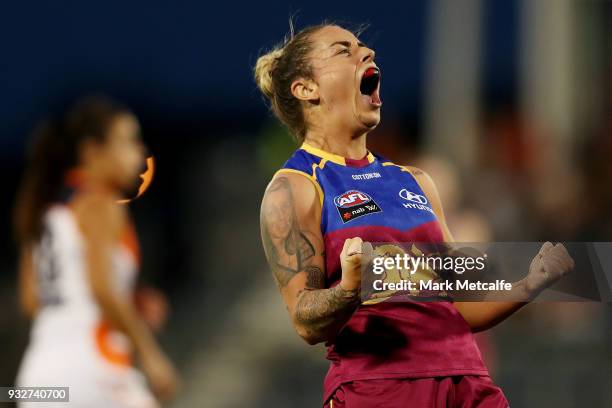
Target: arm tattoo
{"x":416,"y":172}
{"x":287,"y":247}
{"x":319,"y":312}
{"x":315,"y":278}
{"x":324,"y":311}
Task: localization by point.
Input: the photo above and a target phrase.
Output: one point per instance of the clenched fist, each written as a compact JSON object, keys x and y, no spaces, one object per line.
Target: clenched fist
{"x":549,"y":265}
{"x":354,"y":253}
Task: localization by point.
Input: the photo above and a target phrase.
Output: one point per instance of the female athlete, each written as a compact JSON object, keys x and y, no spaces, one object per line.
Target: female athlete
{"x":79,"y":256}
{"x":329,"y":201}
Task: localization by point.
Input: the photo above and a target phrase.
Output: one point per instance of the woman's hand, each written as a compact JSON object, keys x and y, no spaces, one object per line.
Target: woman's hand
{"x":549,"y":265}
{"x":161,"y":374}
{"x":354,"y":253}
{"x":153,"y":307}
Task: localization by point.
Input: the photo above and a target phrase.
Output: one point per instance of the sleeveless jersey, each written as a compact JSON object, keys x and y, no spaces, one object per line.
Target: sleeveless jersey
{"x":69,"y":316}
{"x":379,"y":201}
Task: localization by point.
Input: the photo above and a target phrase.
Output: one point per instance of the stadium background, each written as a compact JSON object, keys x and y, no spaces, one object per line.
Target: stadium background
{"x":508,"y":105}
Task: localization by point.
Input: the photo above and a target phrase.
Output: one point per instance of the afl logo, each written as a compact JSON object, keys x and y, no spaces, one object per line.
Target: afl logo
{"x":410,"y":196}
{"x":354,"y":204}
{"x":351,"y":198}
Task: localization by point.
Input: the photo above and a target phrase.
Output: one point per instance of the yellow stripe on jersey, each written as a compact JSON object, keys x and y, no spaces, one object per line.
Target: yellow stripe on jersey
{"x":334,"y":158}
{"x":403,"y":168}
{"x":309,"y":177}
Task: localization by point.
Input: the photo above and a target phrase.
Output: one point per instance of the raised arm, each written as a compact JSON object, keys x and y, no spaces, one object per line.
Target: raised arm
{"x":291,"y":235}
{"x":549,"y":265}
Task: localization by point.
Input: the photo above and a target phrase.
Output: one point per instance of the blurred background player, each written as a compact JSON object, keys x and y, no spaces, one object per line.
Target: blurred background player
{"x":330,"y":197}
{"x":79,"y":259}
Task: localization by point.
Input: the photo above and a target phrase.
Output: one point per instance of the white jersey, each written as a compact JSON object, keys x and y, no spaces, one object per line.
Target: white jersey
{"x":70,"y":343}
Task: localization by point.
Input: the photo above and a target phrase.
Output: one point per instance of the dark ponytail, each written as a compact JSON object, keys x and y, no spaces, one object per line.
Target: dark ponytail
{"x":54,"y":150}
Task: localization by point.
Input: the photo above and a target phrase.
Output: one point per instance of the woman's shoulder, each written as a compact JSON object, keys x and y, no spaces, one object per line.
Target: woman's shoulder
{"x":300,"y":161}
{"x":97,"y":212}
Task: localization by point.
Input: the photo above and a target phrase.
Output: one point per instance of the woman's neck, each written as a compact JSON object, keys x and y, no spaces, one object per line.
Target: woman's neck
{"x":85,"y":179}
{"x":342,"y":145}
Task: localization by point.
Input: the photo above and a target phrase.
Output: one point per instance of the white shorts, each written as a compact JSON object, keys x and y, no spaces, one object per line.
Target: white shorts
{"x":93,"y":381}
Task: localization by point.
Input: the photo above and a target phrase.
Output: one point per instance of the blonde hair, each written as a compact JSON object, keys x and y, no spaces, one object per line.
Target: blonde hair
{"x":263,"y":71}
{"x":275,"y":70}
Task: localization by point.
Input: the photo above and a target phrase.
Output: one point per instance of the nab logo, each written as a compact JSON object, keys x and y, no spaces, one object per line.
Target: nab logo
{"x":351,"y":198}
{"x":354,"y":204}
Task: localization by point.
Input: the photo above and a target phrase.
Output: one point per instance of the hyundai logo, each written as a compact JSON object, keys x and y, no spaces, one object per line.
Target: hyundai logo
{"x":410,"y":196}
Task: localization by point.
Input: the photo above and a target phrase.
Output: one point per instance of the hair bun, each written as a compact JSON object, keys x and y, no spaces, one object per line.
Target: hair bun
{"x":263,"y":71}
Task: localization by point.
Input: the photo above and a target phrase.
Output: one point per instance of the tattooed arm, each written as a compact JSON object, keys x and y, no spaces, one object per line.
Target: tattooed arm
{"x":291,"y":234}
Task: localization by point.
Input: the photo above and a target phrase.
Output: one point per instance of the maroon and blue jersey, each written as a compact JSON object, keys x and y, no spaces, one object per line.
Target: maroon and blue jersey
{"x":379,"y":201}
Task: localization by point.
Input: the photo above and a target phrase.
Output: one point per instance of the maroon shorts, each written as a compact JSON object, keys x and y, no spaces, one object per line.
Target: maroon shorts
{"x":457,"y":391}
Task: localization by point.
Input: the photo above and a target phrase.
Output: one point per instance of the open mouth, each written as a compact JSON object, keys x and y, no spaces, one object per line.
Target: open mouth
{"x":369,"y":86}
